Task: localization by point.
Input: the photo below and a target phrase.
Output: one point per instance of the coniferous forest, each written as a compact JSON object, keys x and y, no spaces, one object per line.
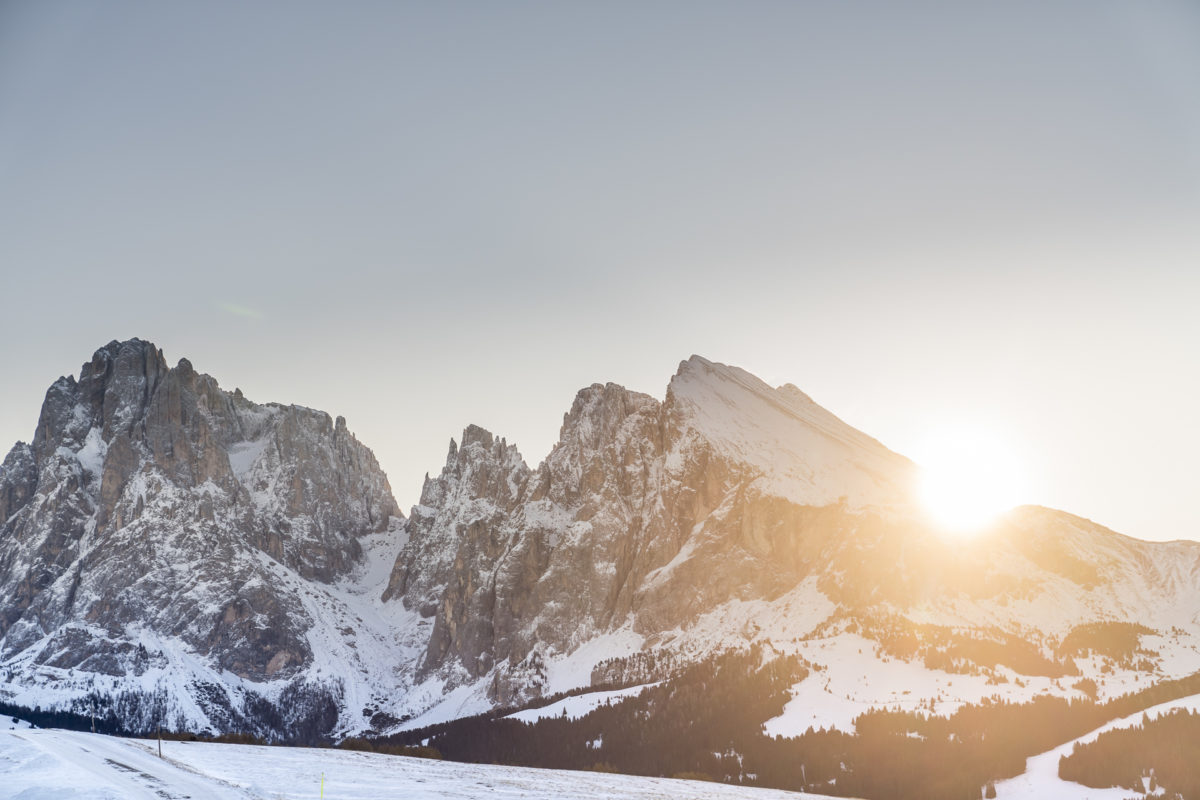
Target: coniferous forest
{"x":1163,"y":752}
{"x":706,"y":722}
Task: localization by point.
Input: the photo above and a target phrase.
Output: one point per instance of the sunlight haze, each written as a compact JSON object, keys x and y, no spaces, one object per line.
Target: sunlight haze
{"x":421,"y":216}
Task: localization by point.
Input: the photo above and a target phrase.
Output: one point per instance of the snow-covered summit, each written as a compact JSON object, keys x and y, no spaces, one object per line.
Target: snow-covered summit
{"x":804,"y":453}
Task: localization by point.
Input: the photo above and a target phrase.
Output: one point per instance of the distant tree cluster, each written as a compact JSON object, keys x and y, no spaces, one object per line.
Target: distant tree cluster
{"x":369,"y":746}
{"x":967,"y":650}
{"x":304,"y":714}
{"x":1119,"y":642}
{"x":106,"y":722}
{"x":645,"y":666}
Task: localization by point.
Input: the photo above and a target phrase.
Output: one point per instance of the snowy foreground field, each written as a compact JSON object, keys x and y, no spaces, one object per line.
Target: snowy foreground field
{"x":64,"y":765}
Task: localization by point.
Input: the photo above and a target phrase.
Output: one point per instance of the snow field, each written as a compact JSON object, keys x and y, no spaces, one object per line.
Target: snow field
{"x":64,"y":765}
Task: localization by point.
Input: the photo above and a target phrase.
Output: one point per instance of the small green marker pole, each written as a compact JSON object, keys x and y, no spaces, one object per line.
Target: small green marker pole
{"x":322,"y":786}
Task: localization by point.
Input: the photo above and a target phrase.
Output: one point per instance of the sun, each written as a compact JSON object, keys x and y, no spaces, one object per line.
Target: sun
{"x":968,"y":478}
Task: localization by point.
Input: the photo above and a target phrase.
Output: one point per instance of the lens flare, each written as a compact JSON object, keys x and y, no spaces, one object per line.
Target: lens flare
{"x":968,"y":478}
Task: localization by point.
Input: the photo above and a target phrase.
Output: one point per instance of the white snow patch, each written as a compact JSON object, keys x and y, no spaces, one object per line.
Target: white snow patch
{"x":91,"y":455}
{"x":242,"y":455}
{"x":579,"y":705}
{"x":858,"y":678}
{"x":443,"y":706}
{"x":575,"y":669}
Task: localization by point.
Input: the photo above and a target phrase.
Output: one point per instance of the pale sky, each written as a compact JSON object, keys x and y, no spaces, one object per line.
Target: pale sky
{"x":424,"y":215}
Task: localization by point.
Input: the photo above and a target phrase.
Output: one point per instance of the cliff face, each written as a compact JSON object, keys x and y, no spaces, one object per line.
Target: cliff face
{"x":644,"y":516}
{"x":155,"y":512}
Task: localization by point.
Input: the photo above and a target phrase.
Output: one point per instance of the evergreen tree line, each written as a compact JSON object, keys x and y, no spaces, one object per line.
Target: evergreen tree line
{"x":67,"y":720}
{"x":305,"y":714}
{"x":707,"y":721}
{"x":1164,"y":752}
{"x":692,"y":723}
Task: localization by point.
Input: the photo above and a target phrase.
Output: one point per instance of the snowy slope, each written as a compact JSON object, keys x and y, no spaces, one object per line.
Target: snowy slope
{"x":363,"y":648}
{"x":803,"y":452}
{"x":61,"y":765}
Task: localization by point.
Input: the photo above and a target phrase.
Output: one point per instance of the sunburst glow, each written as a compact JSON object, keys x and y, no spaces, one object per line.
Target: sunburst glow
{"x":968,"y":478}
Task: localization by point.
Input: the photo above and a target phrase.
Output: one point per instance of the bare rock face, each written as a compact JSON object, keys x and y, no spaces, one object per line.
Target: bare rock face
{"x":456,"y":537}
{"x":646,"y":514}
{"x":155,"y":507}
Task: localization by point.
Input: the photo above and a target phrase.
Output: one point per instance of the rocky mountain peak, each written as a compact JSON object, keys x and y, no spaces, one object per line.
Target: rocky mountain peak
{"x":599,"y":411}
{"x":155,"y":504}
{"x":473,"y":434}
{"x":481,"y":481}
{"x":644,"y":513}
{"x":119,"y":381}
{"x":18,"y":480}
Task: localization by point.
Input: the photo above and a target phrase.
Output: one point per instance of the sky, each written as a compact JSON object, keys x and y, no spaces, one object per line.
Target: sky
{"x":424,"y":215}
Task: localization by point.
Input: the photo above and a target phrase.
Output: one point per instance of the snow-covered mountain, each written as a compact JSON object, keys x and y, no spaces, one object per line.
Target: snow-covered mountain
{"x":182,"y":554}
{"x":732,"y":512}
{"x":645,"y":515}
{"x":177,"y":546}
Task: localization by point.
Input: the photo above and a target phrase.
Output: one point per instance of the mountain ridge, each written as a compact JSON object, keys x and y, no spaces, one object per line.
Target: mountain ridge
{"x":208,"y":559}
